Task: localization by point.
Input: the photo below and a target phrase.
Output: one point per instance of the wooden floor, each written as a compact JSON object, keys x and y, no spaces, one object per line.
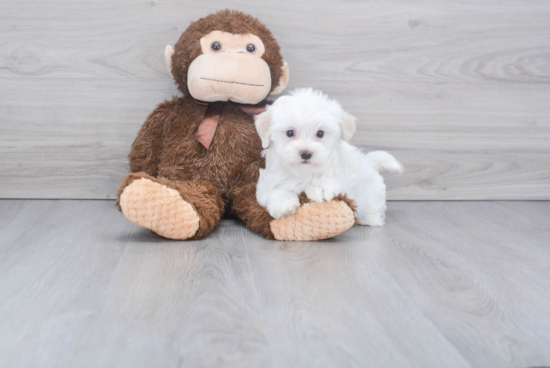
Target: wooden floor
{"x":443,"y":284}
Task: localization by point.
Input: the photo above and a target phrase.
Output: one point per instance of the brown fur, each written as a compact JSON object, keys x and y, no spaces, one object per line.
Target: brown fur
{"x":188,"y":46}
{"x":212,"y":180}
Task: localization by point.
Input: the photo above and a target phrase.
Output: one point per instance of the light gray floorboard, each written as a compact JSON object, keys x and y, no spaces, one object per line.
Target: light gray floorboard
{"x":458,"y":91}
{"x":454,"y":284}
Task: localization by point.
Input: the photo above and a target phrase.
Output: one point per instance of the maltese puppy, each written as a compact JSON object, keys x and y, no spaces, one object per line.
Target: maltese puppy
{"x":305,"y":139}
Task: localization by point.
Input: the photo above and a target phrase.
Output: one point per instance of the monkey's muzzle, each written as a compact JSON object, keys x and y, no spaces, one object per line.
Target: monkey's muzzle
{"x":237,"y":77}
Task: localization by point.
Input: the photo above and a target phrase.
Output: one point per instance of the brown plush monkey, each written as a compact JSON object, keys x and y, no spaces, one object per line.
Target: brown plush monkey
{"x":199,"y":155}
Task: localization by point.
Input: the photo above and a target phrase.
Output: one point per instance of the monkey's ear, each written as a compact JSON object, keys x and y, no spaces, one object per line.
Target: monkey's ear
{"x":168,"y":52}
{"x":348,"y":126}
{"x":262,"y":127}
{"x":283,"y":82}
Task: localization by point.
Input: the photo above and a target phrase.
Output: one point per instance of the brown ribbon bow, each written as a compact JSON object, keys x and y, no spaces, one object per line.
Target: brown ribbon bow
{"x":211,"y":119}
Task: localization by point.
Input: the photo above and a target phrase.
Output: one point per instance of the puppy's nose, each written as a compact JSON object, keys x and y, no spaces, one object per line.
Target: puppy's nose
{"x":306,"y":155}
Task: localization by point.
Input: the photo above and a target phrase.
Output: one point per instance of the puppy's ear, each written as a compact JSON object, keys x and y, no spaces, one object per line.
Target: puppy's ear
{"x":348,"y":126}
{"x":262,"y":127}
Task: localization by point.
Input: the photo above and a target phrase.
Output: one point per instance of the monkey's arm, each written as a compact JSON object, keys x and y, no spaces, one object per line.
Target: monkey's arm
{"x":145,"y":151}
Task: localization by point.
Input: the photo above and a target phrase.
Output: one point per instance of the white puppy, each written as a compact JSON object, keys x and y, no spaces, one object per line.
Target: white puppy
{"x":305,"y":138}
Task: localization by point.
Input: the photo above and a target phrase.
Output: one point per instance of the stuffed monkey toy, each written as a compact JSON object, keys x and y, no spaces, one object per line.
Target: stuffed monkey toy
{"x":198,"y":156}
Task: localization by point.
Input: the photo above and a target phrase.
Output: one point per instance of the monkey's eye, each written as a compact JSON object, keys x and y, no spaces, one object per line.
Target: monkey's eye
{"x":250,"y":48}
{"x":320,"y":134}
{"x":290,"y":133}
{"x":216,"y":46}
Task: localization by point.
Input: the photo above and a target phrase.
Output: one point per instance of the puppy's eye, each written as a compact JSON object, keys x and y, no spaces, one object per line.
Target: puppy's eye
{"x":250,"y":48}
{"x":290,"y":133}
{"x":320,"y":134}
{"x":216,"y":46}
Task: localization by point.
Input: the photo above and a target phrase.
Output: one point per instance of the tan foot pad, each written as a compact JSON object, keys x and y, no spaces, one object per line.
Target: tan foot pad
{"x":314,"y":221}
{"x":159,"y":208}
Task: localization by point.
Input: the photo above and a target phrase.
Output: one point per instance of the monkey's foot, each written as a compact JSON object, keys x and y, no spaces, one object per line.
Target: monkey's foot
{"x":159,"y":208}
{"x":314,"y":221}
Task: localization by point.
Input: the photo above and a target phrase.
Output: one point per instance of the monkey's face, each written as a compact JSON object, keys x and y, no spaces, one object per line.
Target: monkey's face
{"x":230,"y":68}
{"x":227,"y":56}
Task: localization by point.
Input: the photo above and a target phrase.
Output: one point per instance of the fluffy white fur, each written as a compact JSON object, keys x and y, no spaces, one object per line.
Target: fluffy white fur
{"x":334,"y":166}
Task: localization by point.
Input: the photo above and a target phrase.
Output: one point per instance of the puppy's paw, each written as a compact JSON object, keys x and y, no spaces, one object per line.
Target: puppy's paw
{"x":371,"y":218}
{"x":330,"y":192}
{"x":315,"y":194}
{"x":284,"y":207}
{"x":321,"y":194}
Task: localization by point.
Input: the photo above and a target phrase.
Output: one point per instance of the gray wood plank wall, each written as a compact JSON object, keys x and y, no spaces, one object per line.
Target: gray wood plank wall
{"x":458,"y":91}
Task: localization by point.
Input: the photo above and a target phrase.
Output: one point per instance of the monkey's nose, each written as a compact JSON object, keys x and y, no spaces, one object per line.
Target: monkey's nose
{"x":306,"y":155}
